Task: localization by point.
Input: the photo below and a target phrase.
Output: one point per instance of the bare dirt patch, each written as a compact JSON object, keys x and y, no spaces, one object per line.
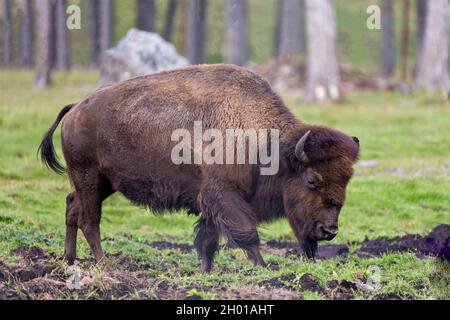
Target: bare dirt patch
{"x":262,"y":293}
{"x":292,"y":248}
{"x":335,"y":290}
{"x":436,"y":243}
{"x":35,"y":276}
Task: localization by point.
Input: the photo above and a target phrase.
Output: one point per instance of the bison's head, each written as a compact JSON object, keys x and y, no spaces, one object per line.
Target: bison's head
{"x":319,"y":166}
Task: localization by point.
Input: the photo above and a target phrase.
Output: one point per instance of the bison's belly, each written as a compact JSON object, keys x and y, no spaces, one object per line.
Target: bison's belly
{"x":160,"y":195}
{"x":149,"y":179}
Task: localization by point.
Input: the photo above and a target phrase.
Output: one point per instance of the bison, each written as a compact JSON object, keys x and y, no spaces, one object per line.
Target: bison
{"x":119,"y":139}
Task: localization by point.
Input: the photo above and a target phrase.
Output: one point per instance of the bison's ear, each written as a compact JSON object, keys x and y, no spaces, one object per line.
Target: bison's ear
{"x":356,"y":152}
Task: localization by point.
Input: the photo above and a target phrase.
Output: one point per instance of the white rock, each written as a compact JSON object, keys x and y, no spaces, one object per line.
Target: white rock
{"x":139,"y":53}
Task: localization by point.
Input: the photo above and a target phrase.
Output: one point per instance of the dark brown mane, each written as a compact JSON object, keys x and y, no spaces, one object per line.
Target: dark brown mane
{"x":323,"y":144}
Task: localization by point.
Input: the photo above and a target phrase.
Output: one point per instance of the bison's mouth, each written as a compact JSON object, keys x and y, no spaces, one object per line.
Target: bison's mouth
{"x":308,"y":233}
{"x":310,"y":243}
{"x":325,"y":232}
{"x":325,"y":236}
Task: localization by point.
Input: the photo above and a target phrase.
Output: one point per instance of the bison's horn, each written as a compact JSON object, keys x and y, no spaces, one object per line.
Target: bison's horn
{"x":300,"y":148}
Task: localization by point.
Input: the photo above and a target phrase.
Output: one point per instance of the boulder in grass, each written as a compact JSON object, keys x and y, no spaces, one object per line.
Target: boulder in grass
{"x":139,"y":53}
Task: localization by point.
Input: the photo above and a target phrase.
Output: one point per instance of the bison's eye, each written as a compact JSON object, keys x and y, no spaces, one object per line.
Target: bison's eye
{"x":313,"y":180}
{"x":311,"y":184}
{"x":331,"y":204}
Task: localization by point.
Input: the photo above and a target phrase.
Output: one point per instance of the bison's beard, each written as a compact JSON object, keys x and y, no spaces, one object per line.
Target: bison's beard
{"x":309,"y":247}
{"x":304,"y":231}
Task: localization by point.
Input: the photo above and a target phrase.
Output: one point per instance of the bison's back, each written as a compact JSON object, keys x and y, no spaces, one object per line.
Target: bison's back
{"x":216,"y":94}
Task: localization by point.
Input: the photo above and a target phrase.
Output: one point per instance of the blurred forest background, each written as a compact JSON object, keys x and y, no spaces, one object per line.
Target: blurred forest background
{"x":407,"y":41}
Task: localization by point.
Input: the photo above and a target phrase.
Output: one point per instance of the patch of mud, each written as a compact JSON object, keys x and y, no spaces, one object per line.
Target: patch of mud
{"x":292,"y":248}
{"x":29,"y":281}
{"x":335,"y":290}
{"x":33,"y":253}
{"x":42,"y":288}
{"x":35,"y":277}
{"x":262,"y":293}
{"x":120,"y":277}
{"x":7,"y":293}
{"x":308,"y":282}
{"x":389,"y":296}
{"x":30,"y":272}
{"x":343,"y":290}
{"x":285,"y":282}
{"x":436,"y":243}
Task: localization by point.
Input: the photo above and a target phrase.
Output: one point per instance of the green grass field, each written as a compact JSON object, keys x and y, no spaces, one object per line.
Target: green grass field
{"x":408,"y":191}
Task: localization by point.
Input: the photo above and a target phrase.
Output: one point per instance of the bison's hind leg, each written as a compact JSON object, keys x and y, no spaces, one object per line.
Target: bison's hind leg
{"x":72,"y":211}
{"x":84,"y":211}
{"x":206,"y":242}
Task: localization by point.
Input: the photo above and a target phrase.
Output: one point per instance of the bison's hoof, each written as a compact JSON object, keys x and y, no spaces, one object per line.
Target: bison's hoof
{"x":69,"y":259}
{"x":205,"y":267}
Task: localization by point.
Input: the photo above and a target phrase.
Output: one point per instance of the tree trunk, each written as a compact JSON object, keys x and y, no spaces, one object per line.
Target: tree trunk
{"x":387,"y":41}
{"x":7,"y":32}
{"x":277,"y":35}
{"x":421,"y":10}
{"x":170,"y":19}
{"x":146,"y":14}
{"x":26,"y":39}
{"x":421,"y":18}
{"x":62,"y":61}
{"x":196,"y":31}
{"x":236,"y":32}
{"x":405,"y":41}
{"x":106,"y":25}
{"x":433,"y":72}
{"x":323,"y":78}
{"x":44,"y":17}
{"x":182,"y":28}
{"x":92,"y":9}
{"x":291,"y":27}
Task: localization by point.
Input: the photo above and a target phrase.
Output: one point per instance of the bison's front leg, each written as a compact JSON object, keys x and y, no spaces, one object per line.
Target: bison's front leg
{"x":206,"y":242}
{"x":223,"y":205}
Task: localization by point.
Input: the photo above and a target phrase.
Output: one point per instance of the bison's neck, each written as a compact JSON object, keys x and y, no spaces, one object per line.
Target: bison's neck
{"x":267,"y":198}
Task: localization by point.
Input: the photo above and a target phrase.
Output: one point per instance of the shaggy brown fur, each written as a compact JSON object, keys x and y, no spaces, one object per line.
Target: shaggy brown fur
{"x":119,"y":139}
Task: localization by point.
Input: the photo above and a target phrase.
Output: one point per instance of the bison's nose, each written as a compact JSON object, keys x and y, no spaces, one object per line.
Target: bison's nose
{"x":330,"y":232}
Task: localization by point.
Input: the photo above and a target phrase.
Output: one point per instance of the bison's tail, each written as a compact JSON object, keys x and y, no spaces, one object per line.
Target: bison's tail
{"x":46,"y":148}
